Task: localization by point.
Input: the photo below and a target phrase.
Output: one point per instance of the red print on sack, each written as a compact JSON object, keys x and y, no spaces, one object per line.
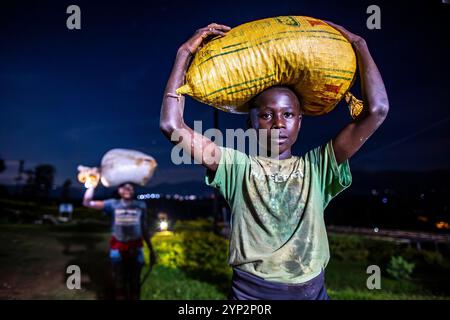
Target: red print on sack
{"x":314,"y":23}
{"x":333,"y":88}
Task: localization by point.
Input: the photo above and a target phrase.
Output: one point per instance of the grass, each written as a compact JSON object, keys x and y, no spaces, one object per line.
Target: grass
{"x":33,"y":259}
{"x":345,"y":281}
{"x":173,"y":284}
{"x":346,"y":278}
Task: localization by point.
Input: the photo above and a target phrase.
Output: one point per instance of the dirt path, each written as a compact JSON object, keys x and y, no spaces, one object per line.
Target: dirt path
{"x":34,"y":259}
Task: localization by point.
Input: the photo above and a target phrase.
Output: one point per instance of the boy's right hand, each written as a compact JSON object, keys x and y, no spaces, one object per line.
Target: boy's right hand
{"x":171,"y":119}
{"x":202,"y":36}
{"x":90,"y":184}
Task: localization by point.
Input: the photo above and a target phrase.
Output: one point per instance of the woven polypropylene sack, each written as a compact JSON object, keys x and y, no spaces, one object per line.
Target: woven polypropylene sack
{"x":304,"y":53}
{"x":122,"y":165}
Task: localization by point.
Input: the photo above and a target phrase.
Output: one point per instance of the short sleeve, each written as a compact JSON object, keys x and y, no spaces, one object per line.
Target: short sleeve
{"x":108,"y":206}
{"x":333,"y":178}
{"x":229,"y":175}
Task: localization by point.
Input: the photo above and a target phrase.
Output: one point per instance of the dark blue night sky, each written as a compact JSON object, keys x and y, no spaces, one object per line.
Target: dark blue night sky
{"x":67,"y":97}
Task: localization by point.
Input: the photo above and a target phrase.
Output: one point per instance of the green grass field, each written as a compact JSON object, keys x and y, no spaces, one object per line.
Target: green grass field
{"x":345,"y":281}
{"x":33,"y":261}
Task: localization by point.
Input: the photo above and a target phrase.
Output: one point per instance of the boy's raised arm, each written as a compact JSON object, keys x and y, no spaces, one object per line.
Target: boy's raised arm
{"x":171,"y":120}
{"x":376,"y":104}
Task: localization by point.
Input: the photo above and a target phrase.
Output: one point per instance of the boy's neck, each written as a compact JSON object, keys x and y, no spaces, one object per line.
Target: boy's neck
{"x":285,"y":155}
{"x":282,"y":156}
{"x":126,"y":201}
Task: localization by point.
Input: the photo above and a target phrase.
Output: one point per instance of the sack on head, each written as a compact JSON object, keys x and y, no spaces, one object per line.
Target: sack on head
{"x":122,"y":165}
{"x":119,"y":166}
{"x":304,"y":53}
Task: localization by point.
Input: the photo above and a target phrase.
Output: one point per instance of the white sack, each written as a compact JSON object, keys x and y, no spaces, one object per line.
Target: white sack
{"x":123,"y":165}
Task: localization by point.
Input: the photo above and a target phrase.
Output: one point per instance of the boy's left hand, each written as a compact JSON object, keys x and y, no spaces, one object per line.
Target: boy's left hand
{"x":351,"y":37}
{"x":350,"y":139}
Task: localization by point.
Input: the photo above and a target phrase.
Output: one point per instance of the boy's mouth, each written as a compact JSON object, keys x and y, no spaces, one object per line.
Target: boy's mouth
{"x":280,"y":139}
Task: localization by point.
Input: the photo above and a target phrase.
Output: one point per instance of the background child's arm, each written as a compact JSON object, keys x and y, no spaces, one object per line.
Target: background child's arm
{"x":171,"y":121}
{"x":376,"y":104}
{"x":89,"y":202}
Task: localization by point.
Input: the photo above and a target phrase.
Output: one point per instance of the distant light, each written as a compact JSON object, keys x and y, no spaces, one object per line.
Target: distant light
{"x":422,"y":218}
{"x":375,"y":230}
{"x":149,"y":196}
{"x":163,"y":225}
{"x":422,"y":196}
{"x":384,"y":200}
{"x":374,"y":192}
{"x":442,"y":225}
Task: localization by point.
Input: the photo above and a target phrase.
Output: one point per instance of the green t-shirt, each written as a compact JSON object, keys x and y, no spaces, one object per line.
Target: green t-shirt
{"x":277,"y":224}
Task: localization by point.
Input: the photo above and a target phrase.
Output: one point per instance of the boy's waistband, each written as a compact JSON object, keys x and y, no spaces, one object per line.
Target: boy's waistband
{"x":246,"y":286}
{"x":125,"y":245}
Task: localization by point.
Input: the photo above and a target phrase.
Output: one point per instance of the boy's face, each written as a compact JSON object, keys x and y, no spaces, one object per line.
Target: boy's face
{"x":126,"y":191}
{"x":278,"y":110}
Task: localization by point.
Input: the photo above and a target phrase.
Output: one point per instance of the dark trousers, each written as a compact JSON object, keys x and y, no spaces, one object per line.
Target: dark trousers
{"x":127,"y":275}
{"x":246,"y":286}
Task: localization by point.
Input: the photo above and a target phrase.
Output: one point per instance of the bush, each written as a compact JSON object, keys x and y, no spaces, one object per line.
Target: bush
{"x":398,"y":268}
{"x":194,"y":225}
{"x":348,"y":248}
{"x":205,"y":251}
{"x":381,"y":251}
{"x":425,"y":260}
{"x":169,"y":250}
{"x":202,"y":255}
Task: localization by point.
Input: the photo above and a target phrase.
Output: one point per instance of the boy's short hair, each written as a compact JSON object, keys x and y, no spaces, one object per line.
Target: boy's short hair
{"x":124,"y":183}
{"x":252,"y":103}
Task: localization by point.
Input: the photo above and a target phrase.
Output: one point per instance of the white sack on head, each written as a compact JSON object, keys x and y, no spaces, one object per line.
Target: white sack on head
{"x":123,"y":165}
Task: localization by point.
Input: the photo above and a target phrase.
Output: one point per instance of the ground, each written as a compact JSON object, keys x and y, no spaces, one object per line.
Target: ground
{"x":34,"y":258}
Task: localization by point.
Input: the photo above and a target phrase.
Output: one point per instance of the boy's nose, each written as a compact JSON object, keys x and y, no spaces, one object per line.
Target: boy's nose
{"x":278,"y":123}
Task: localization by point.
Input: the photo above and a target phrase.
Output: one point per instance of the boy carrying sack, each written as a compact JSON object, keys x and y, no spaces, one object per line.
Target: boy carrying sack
{"x":278,"y":245}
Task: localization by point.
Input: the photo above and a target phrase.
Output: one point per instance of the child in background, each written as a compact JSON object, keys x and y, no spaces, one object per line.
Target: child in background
{"x":129,"y":229}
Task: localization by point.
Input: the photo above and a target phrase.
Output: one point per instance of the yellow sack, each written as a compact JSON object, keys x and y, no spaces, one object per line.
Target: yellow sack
{"x":305,"y":53}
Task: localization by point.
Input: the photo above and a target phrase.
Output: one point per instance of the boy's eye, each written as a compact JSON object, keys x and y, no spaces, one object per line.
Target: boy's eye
{"x":266,"y":116}
{"x":288,"y":114}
